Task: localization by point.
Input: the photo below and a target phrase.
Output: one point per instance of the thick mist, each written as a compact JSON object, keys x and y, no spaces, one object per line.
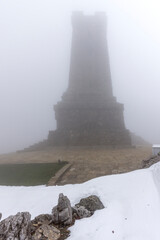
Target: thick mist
{"x":35,"y":41}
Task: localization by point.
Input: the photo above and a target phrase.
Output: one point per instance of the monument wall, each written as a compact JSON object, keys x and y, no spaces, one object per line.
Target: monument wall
{"x":88,"y":113}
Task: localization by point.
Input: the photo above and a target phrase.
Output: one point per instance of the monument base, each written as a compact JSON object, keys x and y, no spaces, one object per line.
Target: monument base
{"x":89,"y":138}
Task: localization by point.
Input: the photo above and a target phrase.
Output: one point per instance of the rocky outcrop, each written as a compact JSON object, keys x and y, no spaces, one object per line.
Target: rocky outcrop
{"x":42,"y":219}
{"x":46,"y":231}
{"x":39,"y":221}
{"x":16,"y":227}
{"x":149,"y":162}
{"x":62,"y":213}
{"x":42,"y":228}
{"x":48,"y":226}
{"x":80,"y":212}
{"x":91,"y":203}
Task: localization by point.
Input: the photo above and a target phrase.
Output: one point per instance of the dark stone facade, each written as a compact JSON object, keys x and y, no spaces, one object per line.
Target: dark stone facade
{"x":89,"y":113}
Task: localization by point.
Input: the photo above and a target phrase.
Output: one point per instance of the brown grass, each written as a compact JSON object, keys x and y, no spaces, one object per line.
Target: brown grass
{"x":87,"y":162}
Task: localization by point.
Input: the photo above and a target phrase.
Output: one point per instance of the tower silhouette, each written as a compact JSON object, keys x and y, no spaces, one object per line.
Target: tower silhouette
{"x":88,"y":113}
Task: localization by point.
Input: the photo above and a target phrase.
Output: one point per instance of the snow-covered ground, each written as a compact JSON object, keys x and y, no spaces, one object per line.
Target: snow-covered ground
{"x":132,"y":205}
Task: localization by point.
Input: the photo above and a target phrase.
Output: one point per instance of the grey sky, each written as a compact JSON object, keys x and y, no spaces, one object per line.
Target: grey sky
{"x":35,"y":38}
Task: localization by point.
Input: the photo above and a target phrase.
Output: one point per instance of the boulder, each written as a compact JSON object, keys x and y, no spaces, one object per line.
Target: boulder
{"x":46,"y":231}
{"x":80,"y":212}
{"x":16,"y":227}
{"x":91,"y":203}
{"x":62,"y":213}
{"x":40,"y":220}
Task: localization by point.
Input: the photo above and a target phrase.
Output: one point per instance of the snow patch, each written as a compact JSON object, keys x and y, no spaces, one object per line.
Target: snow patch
{"x":131,"y":200}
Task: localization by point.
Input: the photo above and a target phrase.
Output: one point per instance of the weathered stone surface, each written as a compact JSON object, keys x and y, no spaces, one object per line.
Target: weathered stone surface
{"x":0,"y":216}
{"x":42,"y":218}
{"x":62,"y":213}
{"x":149,"y":162}
{"x":16,"y":227}
{"x":81,"y":212}
{"x":39,"y":220}
{"x":47,"y":232}
{"x":91,"y":203}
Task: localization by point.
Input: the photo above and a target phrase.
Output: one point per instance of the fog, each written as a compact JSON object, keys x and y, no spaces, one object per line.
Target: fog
{"x":35,"y":41}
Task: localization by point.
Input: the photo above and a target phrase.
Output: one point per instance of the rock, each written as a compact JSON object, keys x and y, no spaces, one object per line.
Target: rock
{"x":149,"y":162}
{"x":47,"y":232}
{"x":0,"y":216}
{"x":62,"y":213}
{"x":16,"y":227}
{"x":42,"y":218}
{"x":39,"y":220}
{"x":91,"y":203}
{"x":81,"y":212}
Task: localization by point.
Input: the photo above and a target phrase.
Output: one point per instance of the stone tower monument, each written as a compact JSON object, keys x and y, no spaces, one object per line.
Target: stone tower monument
{"x":88,"y":113}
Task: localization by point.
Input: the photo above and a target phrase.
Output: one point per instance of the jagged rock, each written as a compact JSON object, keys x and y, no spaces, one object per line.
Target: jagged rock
{"x":62,"y":213}
{"x":0,"y":216}
{"x":16,"y":227}
{"x":42,"y":218}
{"x":91,"y":203}
{"x":81,"y":212}
{"x":149,"y":162}
{"x":47,"y":232}
{"x":39,"y":220}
